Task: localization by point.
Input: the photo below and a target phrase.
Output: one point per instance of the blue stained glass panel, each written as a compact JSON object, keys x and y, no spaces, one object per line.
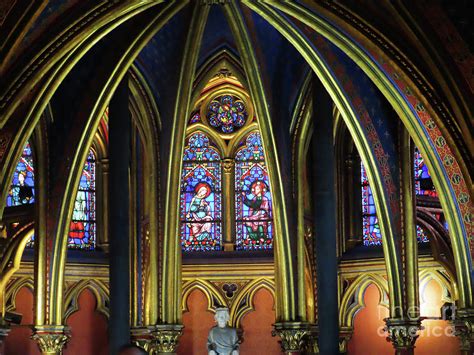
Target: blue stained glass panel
{"x":82,"y":229}
{"x":371,"y":234}
{"x":200,"y":203}
{"x":423,"y":182}
{"x":253,"y":200}
{"x":22,"y":189}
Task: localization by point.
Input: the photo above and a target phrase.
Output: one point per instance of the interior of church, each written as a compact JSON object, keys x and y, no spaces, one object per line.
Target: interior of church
{"x":303,"y":168}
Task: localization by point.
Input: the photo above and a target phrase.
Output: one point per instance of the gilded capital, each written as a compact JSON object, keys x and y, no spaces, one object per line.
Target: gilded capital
{"x":166,"y":338}
{"x":293,"y":335}
{"x":402,"y":333}
{"x":51,"y":339}
{"x":228,"y":165}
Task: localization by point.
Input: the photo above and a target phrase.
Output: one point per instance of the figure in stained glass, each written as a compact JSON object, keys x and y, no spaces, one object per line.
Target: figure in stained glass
{"x":200,"y":195}
{"x":258,"y":212}
{"x":22,"y":187}
{"x":253,"y":205}
{"x":200,"y":213}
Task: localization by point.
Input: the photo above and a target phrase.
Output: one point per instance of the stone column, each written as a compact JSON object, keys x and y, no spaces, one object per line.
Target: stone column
{"x":403,"y":332}
{"x":103,"y":205}
{"x":324,"y":197}
{"x":51,"y":339}
{"x":119,"y":256}
{"x":228,"y":203}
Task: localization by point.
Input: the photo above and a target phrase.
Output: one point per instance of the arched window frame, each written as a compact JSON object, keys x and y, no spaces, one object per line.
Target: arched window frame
{"x":228,"y":144}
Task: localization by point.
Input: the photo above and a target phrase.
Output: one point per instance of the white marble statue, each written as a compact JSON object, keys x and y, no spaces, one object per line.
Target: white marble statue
{"x":222,"y":339}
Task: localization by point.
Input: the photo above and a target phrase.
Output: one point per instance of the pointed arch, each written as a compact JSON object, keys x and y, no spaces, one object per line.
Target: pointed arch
{"x":210,"y":291}
{"x":353,"y":298}
{"x":98,"y":289}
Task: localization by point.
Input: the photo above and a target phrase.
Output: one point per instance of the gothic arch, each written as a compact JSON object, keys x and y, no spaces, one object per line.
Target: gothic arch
{"x":98,"y":289}
{"x":353,"y":298}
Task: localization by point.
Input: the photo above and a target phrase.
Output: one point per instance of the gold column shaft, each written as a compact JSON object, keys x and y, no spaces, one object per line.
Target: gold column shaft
{"x":409,"y":226}
{"x":228,"y":206}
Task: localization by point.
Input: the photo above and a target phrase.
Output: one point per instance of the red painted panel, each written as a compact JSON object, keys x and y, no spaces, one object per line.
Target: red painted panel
{"x":88,"y":328}
{"x":18,"y":340}
{"x":258,"y":326}
{"x":197,"y":323}
{"x":369,"y":337}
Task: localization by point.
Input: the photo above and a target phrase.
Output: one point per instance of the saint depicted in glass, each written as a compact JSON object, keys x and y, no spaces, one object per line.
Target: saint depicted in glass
{"x":200,"y":195}
{"x":254,"y":225}
{"x":370,"y":226}
{"x":22,"y":190}
{"x":227,"y":113}
{"x":423,"y":182}
{"x":83,"y":222}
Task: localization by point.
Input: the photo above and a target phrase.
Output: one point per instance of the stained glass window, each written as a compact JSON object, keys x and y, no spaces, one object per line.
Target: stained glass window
{"x":195,"y":117}
{"x":421,"y":235}
{"x":227,"y":113}
{"x":253,"y":200}
{"x":200,"y":205}
{"x":22,"y":189}
{"x":423,"y":182}
{"x":82,"y":230}
{"x":370,"y":224}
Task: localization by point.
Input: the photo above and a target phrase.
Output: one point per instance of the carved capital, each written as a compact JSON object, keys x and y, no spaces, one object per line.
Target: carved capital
{"x":228,"y":165}
{"x":142,"y":337}
{"x":166,"y":338}
{"x":345,"y":334}
{"x":402,"y":333}
{"x":464,"y":328}
{"x":51,"y":339}
{"x":293,"y":335}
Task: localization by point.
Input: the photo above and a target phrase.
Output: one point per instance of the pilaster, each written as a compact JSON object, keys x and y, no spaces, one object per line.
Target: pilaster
{"x":51,"y":339}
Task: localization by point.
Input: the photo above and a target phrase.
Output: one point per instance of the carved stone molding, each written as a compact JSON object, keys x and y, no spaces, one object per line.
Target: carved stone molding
{"x":165,"y":338}
{"x":293,"y":335}
{"x":51,"y":339}
{"x":402,"y":333}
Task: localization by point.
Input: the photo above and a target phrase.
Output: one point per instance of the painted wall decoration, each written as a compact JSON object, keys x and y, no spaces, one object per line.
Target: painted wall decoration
{"x":200,"y":195}
{"x":22,"y":189}
{"x":82,"y":230}
{"x":253,"y":200}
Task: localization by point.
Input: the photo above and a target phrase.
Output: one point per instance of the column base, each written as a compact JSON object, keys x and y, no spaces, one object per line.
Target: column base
{"x":293,"y":335}
{"x":402,"y":333}
{"x":51,"y":339}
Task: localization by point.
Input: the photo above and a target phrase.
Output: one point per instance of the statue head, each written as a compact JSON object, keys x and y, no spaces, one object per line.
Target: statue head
{"x":222,"y":316}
